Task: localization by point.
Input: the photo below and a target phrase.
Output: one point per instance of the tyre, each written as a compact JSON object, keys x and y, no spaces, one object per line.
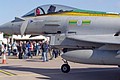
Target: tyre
{"x":65,"y":68}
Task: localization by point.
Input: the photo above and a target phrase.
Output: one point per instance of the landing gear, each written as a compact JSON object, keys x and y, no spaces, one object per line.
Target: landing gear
{"x":65,"y":68}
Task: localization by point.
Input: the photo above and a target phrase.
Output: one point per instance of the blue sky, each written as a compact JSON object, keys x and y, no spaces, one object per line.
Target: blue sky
{"x":16,"y":8}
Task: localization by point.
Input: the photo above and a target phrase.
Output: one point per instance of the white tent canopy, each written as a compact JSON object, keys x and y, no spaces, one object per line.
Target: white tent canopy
{"x":26,"y":37}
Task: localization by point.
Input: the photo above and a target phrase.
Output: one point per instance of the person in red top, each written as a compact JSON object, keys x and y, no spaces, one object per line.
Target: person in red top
{"x":31,"y":46}
{"x":37,"y":12}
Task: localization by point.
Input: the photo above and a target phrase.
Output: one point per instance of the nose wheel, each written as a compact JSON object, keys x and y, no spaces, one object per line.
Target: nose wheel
{"x":65,"y":68}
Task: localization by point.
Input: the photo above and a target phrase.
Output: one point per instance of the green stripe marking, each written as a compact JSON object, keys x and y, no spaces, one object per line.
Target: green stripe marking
{"x":86,"y":22}
{"x":89,"y":11}
{"x":72,"y":22}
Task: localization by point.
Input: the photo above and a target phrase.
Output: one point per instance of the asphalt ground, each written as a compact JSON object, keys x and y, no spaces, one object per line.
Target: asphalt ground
{"x":35,"y":69}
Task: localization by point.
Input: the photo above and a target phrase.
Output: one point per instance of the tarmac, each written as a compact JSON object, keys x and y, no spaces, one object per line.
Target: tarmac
{"x":35,"y":69}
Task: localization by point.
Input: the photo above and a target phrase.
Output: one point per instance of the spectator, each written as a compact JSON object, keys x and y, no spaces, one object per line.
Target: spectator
{"x":9,"y":49}
{"x":29,"y":47}
{"x":14,"y":48}
{"x":19,"y":47}
{"x":55,"y":53}
{"x":44,"y":51}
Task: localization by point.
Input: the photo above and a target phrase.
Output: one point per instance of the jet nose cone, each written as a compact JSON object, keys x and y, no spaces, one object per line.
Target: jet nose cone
{"x":5,"y":28}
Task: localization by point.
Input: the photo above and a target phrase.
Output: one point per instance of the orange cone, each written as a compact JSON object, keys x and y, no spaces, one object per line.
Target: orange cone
{"x":4,"y":59}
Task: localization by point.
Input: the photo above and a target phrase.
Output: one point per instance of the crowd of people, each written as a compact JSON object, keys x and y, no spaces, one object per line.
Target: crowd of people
{"x":28,"y":49}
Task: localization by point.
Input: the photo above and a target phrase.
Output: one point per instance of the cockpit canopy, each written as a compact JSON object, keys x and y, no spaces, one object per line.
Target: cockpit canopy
{"x":48,"y":9}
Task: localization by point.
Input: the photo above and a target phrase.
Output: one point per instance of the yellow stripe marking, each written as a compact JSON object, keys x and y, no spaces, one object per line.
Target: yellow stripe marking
{"x":85,"y":14}
{"x":7,"y":73}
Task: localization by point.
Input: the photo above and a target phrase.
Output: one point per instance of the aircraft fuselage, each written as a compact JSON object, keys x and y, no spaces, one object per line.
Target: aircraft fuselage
{"x":82,"y":25}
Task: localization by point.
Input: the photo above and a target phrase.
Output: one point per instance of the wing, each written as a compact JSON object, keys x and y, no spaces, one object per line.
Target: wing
{"x":110,"y":42}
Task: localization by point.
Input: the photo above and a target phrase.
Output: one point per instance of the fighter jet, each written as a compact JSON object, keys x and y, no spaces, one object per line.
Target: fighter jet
{"x":86,"y":36}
